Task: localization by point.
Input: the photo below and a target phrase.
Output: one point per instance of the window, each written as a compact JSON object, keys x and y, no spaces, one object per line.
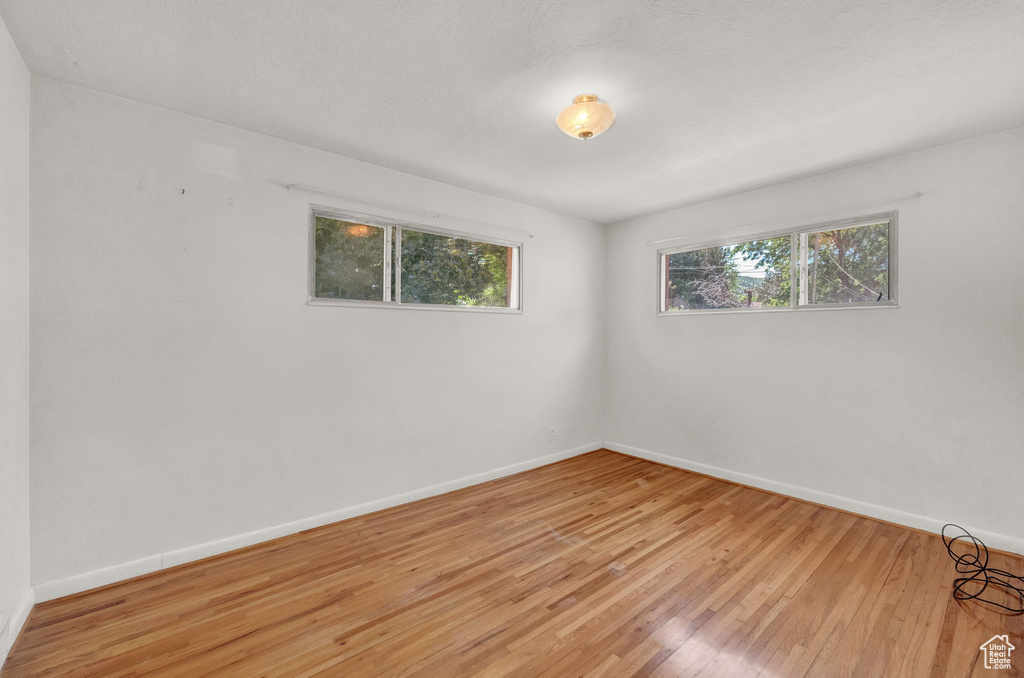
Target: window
{"x":358,"y":259}
{"x":841,"y":264}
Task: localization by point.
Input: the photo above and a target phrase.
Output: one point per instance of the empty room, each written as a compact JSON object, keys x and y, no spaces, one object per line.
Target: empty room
{"x":511,"y":339}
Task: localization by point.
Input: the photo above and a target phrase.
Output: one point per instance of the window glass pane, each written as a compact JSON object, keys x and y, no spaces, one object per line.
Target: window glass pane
{"x":439,"y":269}
{"x":750,"y":274}
{"x":846,"y":266}
{"x":764,"y":271}
{"x":349,"y":260}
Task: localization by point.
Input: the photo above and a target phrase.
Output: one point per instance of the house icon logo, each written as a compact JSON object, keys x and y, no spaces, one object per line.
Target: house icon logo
{"x":997,"y":651}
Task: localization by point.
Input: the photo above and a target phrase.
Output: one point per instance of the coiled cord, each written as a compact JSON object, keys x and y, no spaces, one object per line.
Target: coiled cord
{"x":978,"y":573}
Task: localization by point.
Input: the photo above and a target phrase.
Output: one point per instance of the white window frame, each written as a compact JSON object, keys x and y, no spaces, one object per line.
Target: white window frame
{"x":795,"y":264}
{"x":389,"y":225}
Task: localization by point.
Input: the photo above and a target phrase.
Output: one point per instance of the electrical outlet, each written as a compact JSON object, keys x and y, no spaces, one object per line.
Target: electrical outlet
{"x":551,"y":434}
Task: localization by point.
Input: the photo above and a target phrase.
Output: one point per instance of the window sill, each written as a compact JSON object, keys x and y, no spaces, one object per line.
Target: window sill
{"x":784,"y":309}
{"x":350,"y":303}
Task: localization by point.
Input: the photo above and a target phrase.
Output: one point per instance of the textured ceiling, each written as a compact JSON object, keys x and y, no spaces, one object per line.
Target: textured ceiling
{"x":713,"y":96}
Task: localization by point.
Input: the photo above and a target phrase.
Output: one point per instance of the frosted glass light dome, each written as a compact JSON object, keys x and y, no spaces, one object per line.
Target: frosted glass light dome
{"x":586,"y":118}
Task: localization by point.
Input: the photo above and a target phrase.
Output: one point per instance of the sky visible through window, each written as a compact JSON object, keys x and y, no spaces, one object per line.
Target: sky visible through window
{"x":747,"y":268}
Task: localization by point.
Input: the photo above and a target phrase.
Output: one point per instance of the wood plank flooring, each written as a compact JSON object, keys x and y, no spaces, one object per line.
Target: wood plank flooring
{"x":601,"y":565}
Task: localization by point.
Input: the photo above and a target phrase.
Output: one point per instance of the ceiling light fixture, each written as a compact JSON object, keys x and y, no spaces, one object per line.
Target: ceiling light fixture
{"x":586,"y":118}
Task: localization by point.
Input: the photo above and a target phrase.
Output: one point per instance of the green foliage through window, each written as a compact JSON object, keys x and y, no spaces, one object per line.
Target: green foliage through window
{"x":428,"y":268}
{"x":845,"y":266}
{"x":439,"y":269}
{"x":751,"y":274}
{"x":840,"y":266}
{"x":349,"y":260}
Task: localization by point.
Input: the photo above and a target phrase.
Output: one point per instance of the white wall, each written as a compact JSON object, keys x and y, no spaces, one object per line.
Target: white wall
{"x":15,"y":592}
{"x":913,"y":414}
{"x":184,"y":392}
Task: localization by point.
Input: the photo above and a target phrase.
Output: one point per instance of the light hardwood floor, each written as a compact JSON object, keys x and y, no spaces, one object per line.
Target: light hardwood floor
{"x":601,"y":565}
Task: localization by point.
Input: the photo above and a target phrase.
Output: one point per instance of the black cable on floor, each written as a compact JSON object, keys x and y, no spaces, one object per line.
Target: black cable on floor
{"x":979,"y":575}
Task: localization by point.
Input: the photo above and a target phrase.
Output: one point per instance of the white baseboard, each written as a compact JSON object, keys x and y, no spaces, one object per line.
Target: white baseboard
{"x":9,"y":633}
{"x":109,"y":575}
{"x":934,"y":525}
